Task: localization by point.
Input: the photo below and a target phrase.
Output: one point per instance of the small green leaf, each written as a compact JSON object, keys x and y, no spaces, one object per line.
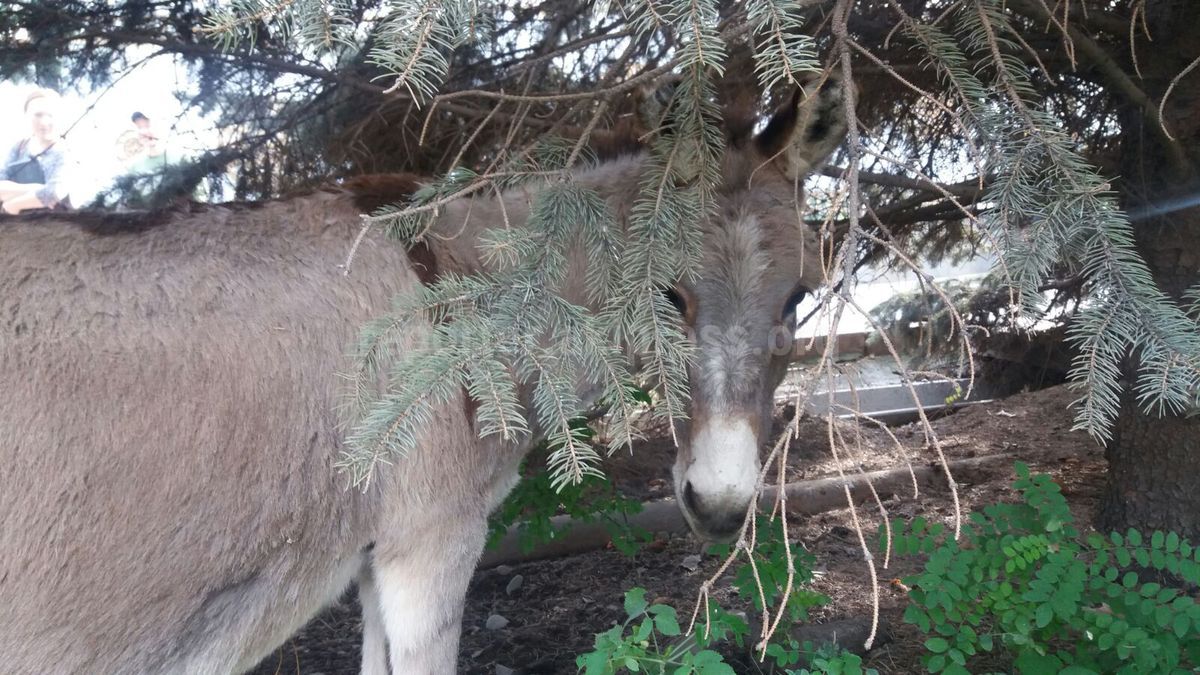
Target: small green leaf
{"x":1043,"y":615}
{"x":708,"y":662}
{"x":635,"y":602}
{"x":1123,"y":557}
{"x":937,"y":645}
{"x":1180,"y":625}
{"x":1162,"y":616}
{"x":1133,"y":537}
{"x":667,"y":623}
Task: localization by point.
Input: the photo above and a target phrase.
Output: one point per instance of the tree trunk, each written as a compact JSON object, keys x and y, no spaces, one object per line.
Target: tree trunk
{"x":1153,"y":475}
{"x":1154,"y":462}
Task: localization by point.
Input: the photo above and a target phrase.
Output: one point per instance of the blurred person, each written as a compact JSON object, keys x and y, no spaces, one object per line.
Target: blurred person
{"x":147,"y":136}
{"x":33,"y":175}
{"x":141,"y":149}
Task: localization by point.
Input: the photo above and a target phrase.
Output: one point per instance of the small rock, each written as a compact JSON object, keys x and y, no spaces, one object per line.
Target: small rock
{"x":849,"y":634}
{"x":495,"y":622}
{"x":504,"y":569}
{"x":690,"y":563}
{"x":504,"y":670}
{"x":514,"y":584}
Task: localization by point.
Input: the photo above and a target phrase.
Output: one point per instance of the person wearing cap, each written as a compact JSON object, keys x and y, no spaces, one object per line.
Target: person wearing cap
{"x":32,"y":175}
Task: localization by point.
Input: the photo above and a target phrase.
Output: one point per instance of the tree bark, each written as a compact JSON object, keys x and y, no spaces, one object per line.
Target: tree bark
{"x":1154,"y":462}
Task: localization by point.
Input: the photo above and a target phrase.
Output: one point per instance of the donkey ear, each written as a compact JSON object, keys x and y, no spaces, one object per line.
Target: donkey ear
{"x":653,"y":106}
{"x":808,"y":129}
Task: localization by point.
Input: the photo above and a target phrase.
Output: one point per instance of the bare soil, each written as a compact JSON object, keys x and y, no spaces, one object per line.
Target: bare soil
{"x":560,"y":604}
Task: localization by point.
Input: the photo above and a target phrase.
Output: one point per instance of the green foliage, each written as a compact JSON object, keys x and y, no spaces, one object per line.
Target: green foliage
{"x":310,"y":24}
{"x":640,"y":645}
{"x":783,"y":53}
{"x":767,"y":578}
{"x":1023,"y":579}
{"x":505,"y":335}
{"x":649,"y":641}
{"x":1049,"y":209}
{"x":828,"y":660}
{"x":535,"y":501}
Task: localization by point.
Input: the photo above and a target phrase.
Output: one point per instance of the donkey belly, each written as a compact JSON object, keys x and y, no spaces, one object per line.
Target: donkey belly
{"x":281,"y":610}
{"x":240,"y":625}
{"x":154,"y":615}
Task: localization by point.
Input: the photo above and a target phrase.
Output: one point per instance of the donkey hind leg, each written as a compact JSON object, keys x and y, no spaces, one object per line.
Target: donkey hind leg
{"x":374,"y":640}
{"x":422,"y":589}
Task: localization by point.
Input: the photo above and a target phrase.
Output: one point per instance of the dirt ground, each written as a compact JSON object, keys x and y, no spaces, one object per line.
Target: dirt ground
{"x":557,"y":606}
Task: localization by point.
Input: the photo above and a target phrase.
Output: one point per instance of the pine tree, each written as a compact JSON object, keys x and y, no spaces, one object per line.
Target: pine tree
{"x":1061,"y":136}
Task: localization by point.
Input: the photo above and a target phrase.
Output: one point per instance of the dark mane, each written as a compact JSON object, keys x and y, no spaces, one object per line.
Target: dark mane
{"x":103,"y":223}
{"x":373,"y":191}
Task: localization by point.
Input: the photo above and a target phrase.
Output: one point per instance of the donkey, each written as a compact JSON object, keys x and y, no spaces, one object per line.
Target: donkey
{"x":169,"y":501}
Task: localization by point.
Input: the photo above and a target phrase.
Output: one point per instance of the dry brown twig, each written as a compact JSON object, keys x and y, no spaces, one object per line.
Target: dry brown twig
{"x":1162,"y":105}
{"x":883,"y":513}
{"x":831,"y":428}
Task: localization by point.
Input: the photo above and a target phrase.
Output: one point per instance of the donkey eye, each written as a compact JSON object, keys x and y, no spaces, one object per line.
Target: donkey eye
{"x":676,"y":300}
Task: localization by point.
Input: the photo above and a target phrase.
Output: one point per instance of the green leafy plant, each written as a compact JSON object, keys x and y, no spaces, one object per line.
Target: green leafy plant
{"x":534,"y":502}
{"x":1022,"y":578}
{"x":828,"y":660}
{"x":766,"y":579}
{"x":650,"y":640}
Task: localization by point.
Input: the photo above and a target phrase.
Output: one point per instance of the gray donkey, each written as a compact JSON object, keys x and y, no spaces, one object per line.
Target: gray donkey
{"x":169,"y":501}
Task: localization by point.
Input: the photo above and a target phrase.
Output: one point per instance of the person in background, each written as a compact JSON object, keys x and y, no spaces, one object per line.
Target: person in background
{"x":146,"y":135}
{"x":141,"y":149}
{"x":32,"y":176}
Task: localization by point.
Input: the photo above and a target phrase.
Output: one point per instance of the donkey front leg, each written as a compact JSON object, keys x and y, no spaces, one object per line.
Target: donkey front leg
{"x":422,"y":585}
{"x":374,"y":641}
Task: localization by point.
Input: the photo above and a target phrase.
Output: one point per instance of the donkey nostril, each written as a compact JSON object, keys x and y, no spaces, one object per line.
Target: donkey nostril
{"x":689,"y":498}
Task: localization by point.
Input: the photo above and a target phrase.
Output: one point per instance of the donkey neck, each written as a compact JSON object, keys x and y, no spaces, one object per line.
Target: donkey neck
{"x":454,"y":236}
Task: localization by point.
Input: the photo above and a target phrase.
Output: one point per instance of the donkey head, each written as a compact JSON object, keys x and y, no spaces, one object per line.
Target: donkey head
{"x":759,"y":261}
